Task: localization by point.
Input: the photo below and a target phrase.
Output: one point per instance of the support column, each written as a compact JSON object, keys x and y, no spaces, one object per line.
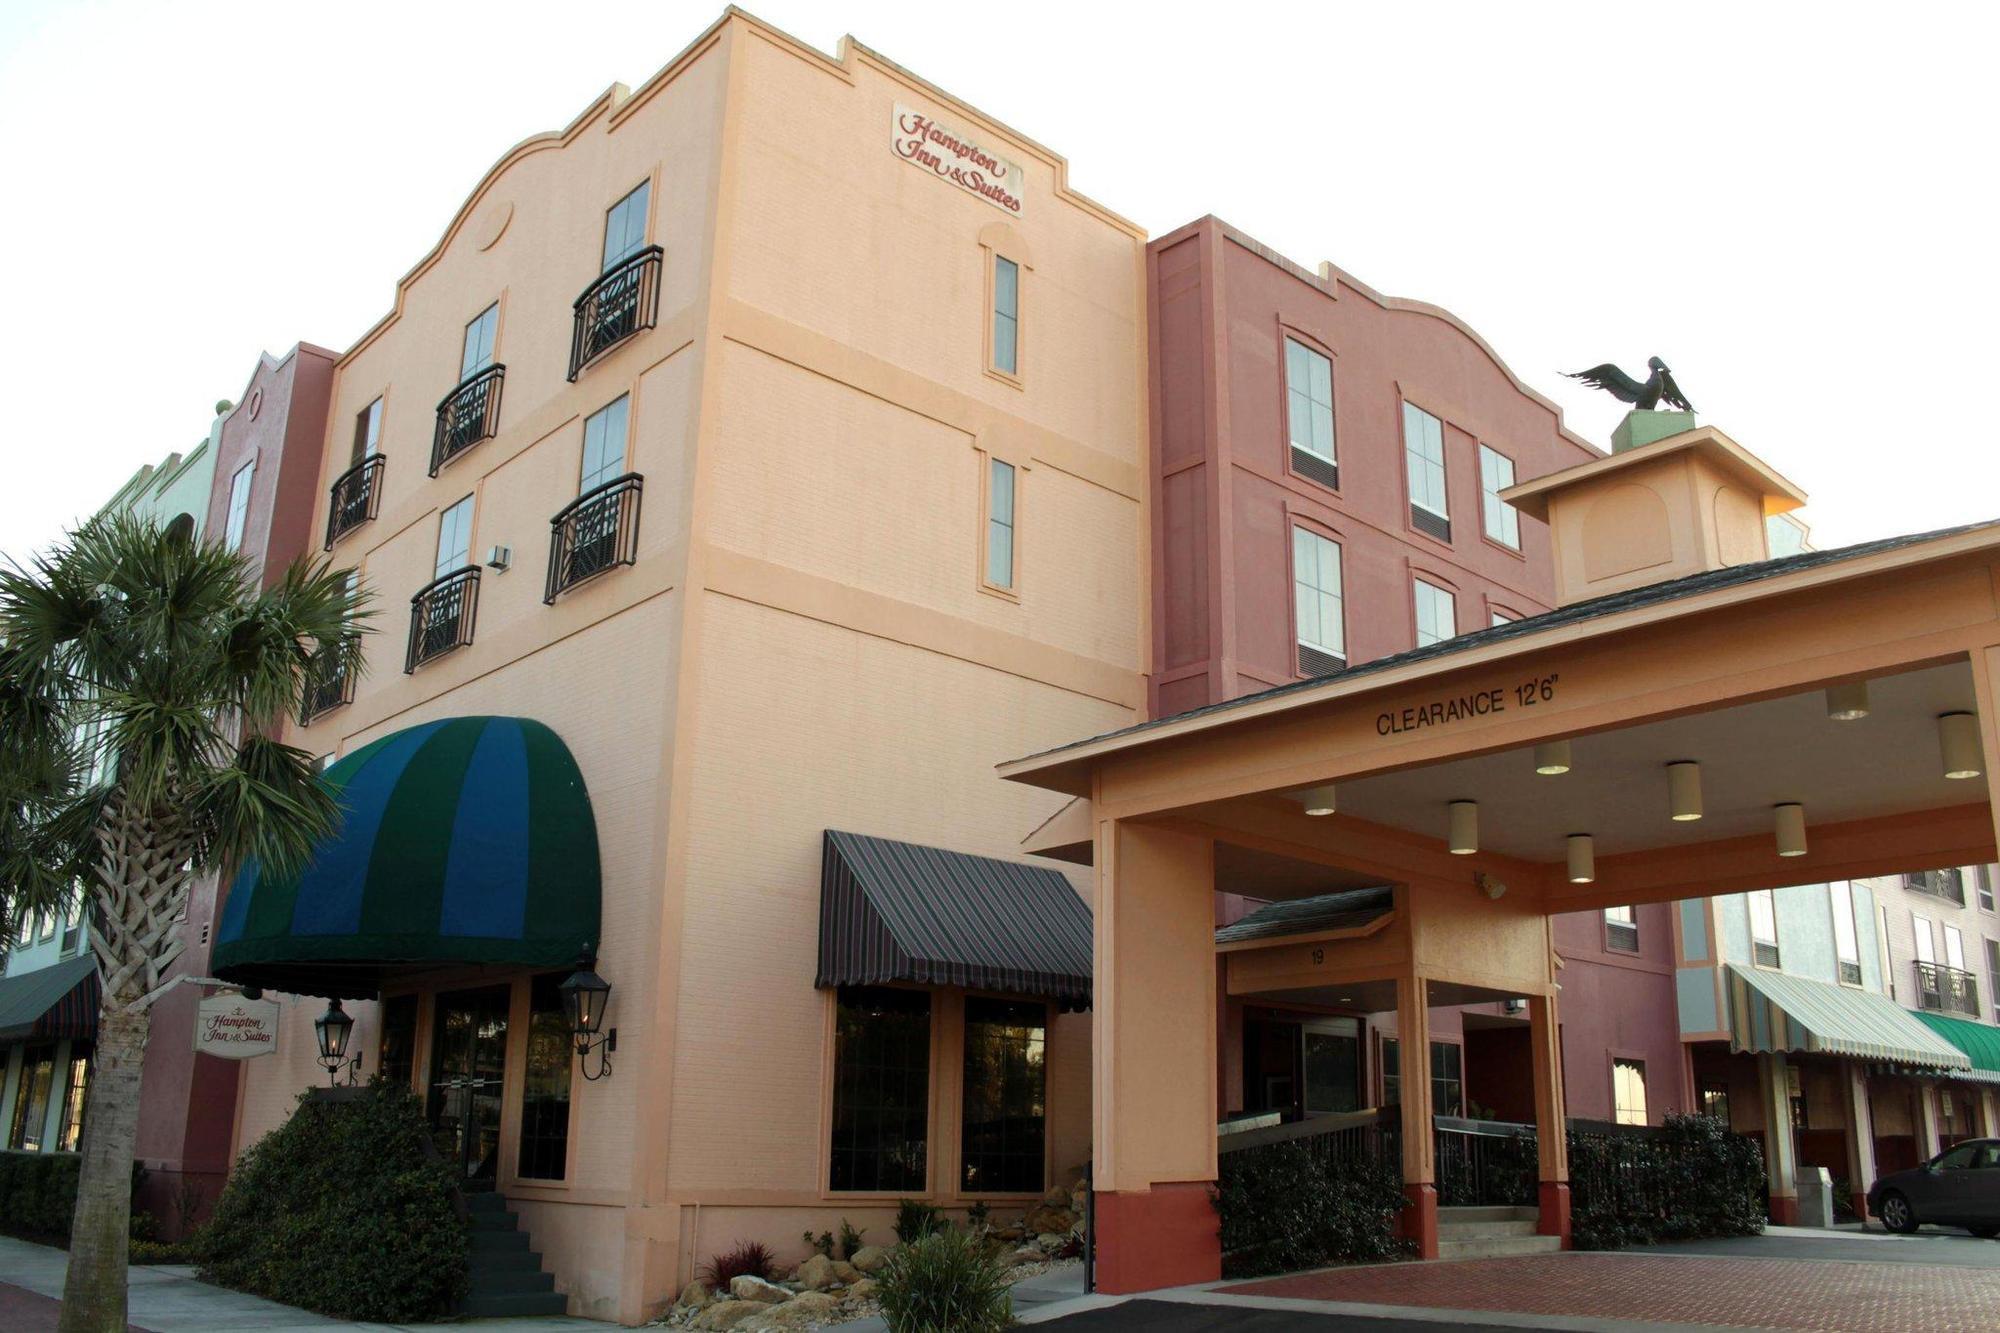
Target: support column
{"x":1774,"y":1092}
{"x":1551,"y":1127}
{"x":1927,"y":1118}
{"x":1860,"y":1135}
{"x":1413,"y":1041}
{"x":1153,"y":1065}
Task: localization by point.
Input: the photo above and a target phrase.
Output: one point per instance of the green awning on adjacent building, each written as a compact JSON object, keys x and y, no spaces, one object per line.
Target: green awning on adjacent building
{"x":50,"y":1003}
{"x":1980,"y":1043}
{"x":1774,"y":1011}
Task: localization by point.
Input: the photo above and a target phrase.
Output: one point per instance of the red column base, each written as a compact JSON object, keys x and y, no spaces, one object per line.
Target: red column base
{"x":1785,"y":1210}
{"x":1419,"y":1221}
{"x":1859,"y":1201}
{"x":1554,"y":1219}
{"x":1167,"y":1236}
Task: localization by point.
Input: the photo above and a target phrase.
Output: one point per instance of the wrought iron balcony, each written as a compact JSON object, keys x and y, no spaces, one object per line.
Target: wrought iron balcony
{"x":441,"y":616}
{"x":1947,"y":990}
{"x":469,"y":413}
{"x":356,"y":497}
{"x":1946,"y":884}
{"x":598,"y":530}
{"x":330,"y":680}
{"x":623,"y":300}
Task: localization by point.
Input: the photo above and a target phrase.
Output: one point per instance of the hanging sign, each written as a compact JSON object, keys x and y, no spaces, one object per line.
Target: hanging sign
{"x":922,"y":141}
{"x":235,"y":1028}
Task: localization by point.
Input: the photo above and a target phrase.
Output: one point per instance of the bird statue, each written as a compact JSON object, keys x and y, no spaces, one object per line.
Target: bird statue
{"x":1645,"y":397}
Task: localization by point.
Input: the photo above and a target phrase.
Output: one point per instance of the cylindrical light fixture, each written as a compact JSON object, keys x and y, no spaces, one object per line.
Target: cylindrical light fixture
{"x":1958,"y":738}
{"x":1848,"y":702}
{"x":1582,"y":858}
{"x":1684,"y":790}
{"x":1552,"y":757}
{"x":1316,"y":800}
{"x":1464,"y":828}
{"x":1791,"y":828}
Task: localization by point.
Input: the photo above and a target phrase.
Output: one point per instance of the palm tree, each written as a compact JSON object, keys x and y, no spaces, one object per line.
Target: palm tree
{"x":143,"y":676}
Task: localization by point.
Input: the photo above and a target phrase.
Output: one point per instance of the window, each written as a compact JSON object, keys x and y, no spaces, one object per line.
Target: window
{"x":1982,"y":879}
{"x":1954,"y":948}
{"x":1763,"y":929}
{"x":1447,"y":1079}
{"x":1946,"y":884}
{"x":73,"y":935}
{"x":31,"y":1099}
{"x":1309,"y":413}
{"x":1004,"y":1097}
{"x":1498,"y":618}
{"x":1621,"y":929}
{"x":1006,"y":315}
{"x":545,"y":1096}
{"x":50,"y":919}
{"x":75,"y":1088}
{"x":239,"y":506}
{"x":1846,"y":945}
{"x":1437,"y":614}
{"x":1392,"y":1073}
{"x":881,"y":1090}
{"x":479,"y":333}
{"x":1316,"y":598}
{"x":454,"y":549}
{"x":1503,"y":521}
{"x":625,"y":226}
{"x":1628,"y":1091}
{"x":604,"y":444}
{"x":1920,"y":928}
{"x":1715,"y":1100}
{"x":399,"y":1039}
{"x":1993,"y":974}
{"x":1423,"y":452}
{"x":367,"y":432}
{"x":1882,"y":939}
{"x":999,"y":524}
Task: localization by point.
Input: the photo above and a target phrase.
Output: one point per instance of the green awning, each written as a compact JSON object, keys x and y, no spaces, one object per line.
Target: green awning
{"x":1774,"y":1011}
{"x":1980,"y":1043}
{"x":50,"y":1003}
{"x":466,"y":840}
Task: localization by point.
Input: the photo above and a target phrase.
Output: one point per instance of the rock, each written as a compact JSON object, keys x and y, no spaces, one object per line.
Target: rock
{"x":862,"y":1290}
{"x":756,"y":1289}
{"x":816,"y":1273}
{"x":1046,"y":1219}
{"x":869,"y":1258}
{"x":844,"y":1272}
{"x":1079,"y":1196}
{"x":1012,"y":1231}
{"x":1051,"y":1242}
{"x":1027,"y":1254}
{"x":1057,"y":1197}
{"x":805,"y":1308}
{"x":693,"y":1296}
{"x":728,"y":1314}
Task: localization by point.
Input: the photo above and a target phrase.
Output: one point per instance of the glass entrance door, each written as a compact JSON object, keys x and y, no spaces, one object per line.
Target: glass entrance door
{"x":468,"y":1066}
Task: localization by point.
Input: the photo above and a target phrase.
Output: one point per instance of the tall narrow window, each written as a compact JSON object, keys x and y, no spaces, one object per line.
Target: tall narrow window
{"x":1006,"y":315}
{"x":31,"y":1099}
{"x":367,"y":432}
{"x":1993,"y":975}
{"x":239,"y":506}
{"x":454,"y":550}
{"x":1954,"y":948}
{"x":1920,"y":929}
{"x":881,"y":1090}
{"x":604,"y":444}
{"x":1714,"y":1096}
{"x":545,"y":1094}
{"x":1763,"y":929}
{"x":76,"y":1087}
{"x":1628,"y":1091}
{"x":1000,"y":524}
{"x":1005,"y":1097}
{"x":1392,"y":1072}
{"x":1447,"y":1078}
{"x":1496,"y":474}
{"x":1846,"y":944}
{"x":1437,"y":614}
{"x":625,"y":226}
{"x":1316,"y":603}
{"x":1982,"y":879}
{"x":479,"y":335}
{"x":1423,"y":454}
{"x":399,"y":1039}
{"x":1621,"y":929}
{"x":1309,"y":413}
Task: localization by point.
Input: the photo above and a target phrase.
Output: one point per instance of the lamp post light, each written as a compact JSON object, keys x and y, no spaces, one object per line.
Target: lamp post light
{"x":332,"y":1029}
{"x":584,"y":996}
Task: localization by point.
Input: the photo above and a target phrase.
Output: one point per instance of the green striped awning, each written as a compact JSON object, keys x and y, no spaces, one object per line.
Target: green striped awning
{"x":1980,"y":1043}
{"x":51,"y":1002}
{"x":1774,"y":1011}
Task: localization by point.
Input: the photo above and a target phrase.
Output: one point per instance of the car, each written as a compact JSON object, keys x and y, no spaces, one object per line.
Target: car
{"x":1959,"y":1187}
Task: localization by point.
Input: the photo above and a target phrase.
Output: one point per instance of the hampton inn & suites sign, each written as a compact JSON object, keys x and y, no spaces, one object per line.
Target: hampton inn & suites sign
{"x":923,"y":141}
{"x":235,"y":1028}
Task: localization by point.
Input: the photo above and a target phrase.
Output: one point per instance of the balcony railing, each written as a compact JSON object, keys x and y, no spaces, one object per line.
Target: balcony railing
{"x":441,"y":616}
{"x":1947,"y":990}
{"x":623,"y":300}
{"x":1946,"y":884}
{"x":330,"y":680}
{"x":356,"y":497}
{"x":469,"y":413}
{"x":598,"y":530}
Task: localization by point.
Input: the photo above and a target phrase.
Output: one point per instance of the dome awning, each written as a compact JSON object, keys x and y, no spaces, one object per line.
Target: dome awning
{"x":466,"y":840}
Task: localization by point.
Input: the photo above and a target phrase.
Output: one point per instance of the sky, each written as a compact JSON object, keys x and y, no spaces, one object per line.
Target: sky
{"x":1794,"y":207}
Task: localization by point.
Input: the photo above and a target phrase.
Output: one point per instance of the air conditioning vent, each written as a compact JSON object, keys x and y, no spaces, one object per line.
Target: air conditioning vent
{"x":1764,"y":955}
{"x":1317,"y":662}
{"x":1621,"y":935}
{"x":1312,"y":467}
{"x":1432,"y":525}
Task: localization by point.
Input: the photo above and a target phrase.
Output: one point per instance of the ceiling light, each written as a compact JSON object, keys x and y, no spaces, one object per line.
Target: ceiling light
{"x":1552,"y":757}
{"x":1791,"y":828}
{"x":1848,"y":702}
{"x":1684,"y":790}
{"x":1464,"y":828}
{"x":1316,"y":800}
{"x":1958,"y":738}
{"x":1582,"y":858}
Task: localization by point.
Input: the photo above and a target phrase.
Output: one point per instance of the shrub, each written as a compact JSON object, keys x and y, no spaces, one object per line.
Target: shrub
{"x":916,"y":1220}
{"x":345,"y":1209}
{"x":38,"y":1194}
{"x":822,"y":1243}
{"x":943,"y":1281}
{"x":850,"y":1239}
{"x":1284,"y":1207}
{"x":1690,"y":1179}
{"x":752,"y":1258}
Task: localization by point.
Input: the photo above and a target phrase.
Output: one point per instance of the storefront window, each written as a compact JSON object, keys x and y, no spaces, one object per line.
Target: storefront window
{"x":1715,"y":1101}
{"x":399,"y":1039}
{"x":70,"y":1135}
{"x":1005,"y":1096}
{"x":881,"y":1089}
{"x":1447,"y":1079}
{"x":31,"y":1099}
{"x":545,"y":1103}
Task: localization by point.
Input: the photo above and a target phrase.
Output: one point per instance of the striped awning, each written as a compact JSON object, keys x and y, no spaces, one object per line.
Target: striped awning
{"x":1980,"y":1043}
{"x":1348,"y":910}
{"x":1773,"y":1011}
{"x":894,"y":911}
{"x":51,"y":1003}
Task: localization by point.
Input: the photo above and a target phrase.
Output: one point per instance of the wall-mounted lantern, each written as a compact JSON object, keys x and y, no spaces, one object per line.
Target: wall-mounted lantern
{"x":332,"y":1029}
{"x":585,"y":996}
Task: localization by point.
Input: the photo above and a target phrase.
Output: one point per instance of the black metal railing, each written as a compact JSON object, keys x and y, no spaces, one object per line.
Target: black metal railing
{"x":623,"y":300}
{"x":1947,"y":989}
{"x":1347,"y":1137}
{"x":1946,"y":884}
{"x":468,"y":414}
{"x":355,"y":497}
{"x":330,"y":679}
{"x":598,"y":530}
{"x":441,"y":616}
{"x":1485,"y":1163}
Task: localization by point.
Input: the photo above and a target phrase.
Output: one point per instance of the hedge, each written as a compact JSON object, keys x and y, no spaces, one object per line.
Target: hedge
{"x":38,"y":1195}
{"x":1690,"y":1179}
{"x":1284,"y":1207}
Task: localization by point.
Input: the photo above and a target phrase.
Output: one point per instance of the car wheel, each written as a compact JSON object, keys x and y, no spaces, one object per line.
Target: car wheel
{"x":1897,"y":1215}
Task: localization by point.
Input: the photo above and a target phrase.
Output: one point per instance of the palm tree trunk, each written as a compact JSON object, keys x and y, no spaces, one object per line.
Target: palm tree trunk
{"x":100,"y":1233}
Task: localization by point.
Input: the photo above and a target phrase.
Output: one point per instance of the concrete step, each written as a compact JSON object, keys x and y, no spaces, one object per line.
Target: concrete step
{"x":506,"y":1281}
{"x":498,"y":1242}
{"x":503,"y":1261}
{"x":505,"y":1305}
{"x":1498,"y":1247}
{"x":1487,"y":1214}
{"x":485,"y":1201}
{"x":1483,"y":1230}
{"x":489,"y":1220}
